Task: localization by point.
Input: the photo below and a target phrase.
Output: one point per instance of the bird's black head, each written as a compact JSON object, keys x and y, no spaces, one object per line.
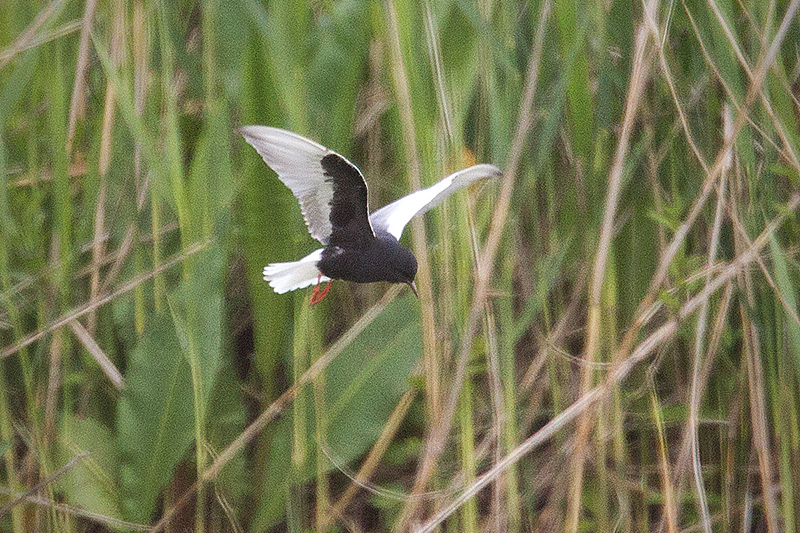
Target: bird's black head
{"x":397,"y":263}
{"x":393,"y":262}
{"x":403,"y":265}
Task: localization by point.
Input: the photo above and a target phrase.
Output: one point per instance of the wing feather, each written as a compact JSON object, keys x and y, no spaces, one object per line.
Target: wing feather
{"x":298,"y":163}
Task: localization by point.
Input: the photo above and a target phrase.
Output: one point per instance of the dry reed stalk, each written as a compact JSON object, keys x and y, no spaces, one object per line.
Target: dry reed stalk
{"x":639,"y":77}
{"x":17,"y":498}
{"x":433,"y":363}
{"x":105,"y":364}
{"x":685,"y":450}
{"x":104,"y":160}
{"x":31,"y":36}
{"x":438,"y":435}
{"x":53,"y":385}
{"x":80,"y":513}
{"x":758,"y":411}
{"x":670,"y":508}
{"x":77,"y":108}
{"x":700,"y":332}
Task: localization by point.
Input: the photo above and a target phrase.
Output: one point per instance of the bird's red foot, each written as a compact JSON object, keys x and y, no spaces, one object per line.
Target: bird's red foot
{"x":317,"y":296}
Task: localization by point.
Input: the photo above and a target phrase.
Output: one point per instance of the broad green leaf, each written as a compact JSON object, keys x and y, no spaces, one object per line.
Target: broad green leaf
{"x":369,"y":377}
{"x":788,"y":291}
{"x":156,"y":411}
{"x":363,"y":386}
{"x":197,"y":314}
{"x":225,"y":421}
{"x":92,"y":484}
{"x":155,"y":417}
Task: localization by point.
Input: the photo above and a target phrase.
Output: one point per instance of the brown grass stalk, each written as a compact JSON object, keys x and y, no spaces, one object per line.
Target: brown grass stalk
{"x":104,"y":160}
{"x":670,"y":507}
{"x":80,"y":513}
{"x":18,"y":498}
{"x":77,"y":108}
{"x":97,"y":353}
{"x":32,"y":37}
{"x":758,"y":410}
{"x":53,"y":386}
{"x":700,"y":331}
{"x":685,"y":450}
{"x":430,"y":353}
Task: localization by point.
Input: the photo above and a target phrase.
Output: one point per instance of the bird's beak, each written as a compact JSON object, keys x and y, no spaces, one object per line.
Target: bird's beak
{"x":414,"y":288}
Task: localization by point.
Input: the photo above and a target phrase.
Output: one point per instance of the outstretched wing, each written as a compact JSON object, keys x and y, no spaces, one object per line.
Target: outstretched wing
{"x":393,"y":218}
{"x":331,"y":190}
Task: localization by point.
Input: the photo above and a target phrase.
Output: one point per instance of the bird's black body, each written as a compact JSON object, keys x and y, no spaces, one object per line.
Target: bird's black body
{"x":382,"y":259}
{"x":357,"y":246}
{"x":355,"y":252}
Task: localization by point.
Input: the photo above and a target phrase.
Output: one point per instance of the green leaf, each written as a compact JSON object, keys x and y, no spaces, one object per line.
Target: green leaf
{"x":155,"y":416}
{"x":92,"y":483}
{"x":367,"y":380}
{"x":363,"y":386}
{"x":787,"y":291}
{"x":197,"y":314}
{"x":226,"y":420}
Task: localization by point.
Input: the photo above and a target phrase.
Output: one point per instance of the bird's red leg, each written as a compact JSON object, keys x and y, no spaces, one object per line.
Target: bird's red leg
{"x":317,"y":296}
{"x":316,"y":290}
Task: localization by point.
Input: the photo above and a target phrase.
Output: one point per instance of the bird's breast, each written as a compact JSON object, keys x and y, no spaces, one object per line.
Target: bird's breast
{"x":363,"y":265}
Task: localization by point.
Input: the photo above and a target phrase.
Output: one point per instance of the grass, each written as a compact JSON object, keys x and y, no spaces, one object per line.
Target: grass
{"x":607,"y":337}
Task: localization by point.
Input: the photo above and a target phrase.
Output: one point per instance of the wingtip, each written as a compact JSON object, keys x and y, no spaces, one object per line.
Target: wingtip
{"x":491,"y":171}
{"x":247,"y":131}
{"x":478,"y":172}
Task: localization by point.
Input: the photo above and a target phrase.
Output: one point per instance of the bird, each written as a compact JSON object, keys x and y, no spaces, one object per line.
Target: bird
{"x":357,"y":246}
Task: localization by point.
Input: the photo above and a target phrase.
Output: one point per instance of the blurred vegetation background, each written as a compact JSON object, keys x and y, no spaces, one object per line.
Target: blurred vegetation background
{"x":607,"y":338}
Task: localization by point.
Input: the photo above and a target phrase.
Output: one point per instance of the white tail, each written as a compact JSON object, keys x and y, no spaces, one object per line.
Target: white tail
{"x":285,"y":277}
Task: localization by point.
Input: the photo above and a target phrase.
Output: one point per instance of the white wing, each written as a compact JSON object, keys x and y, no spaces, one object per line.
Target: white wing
{"x":297,"y":161}
{"x":393,"y":218}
